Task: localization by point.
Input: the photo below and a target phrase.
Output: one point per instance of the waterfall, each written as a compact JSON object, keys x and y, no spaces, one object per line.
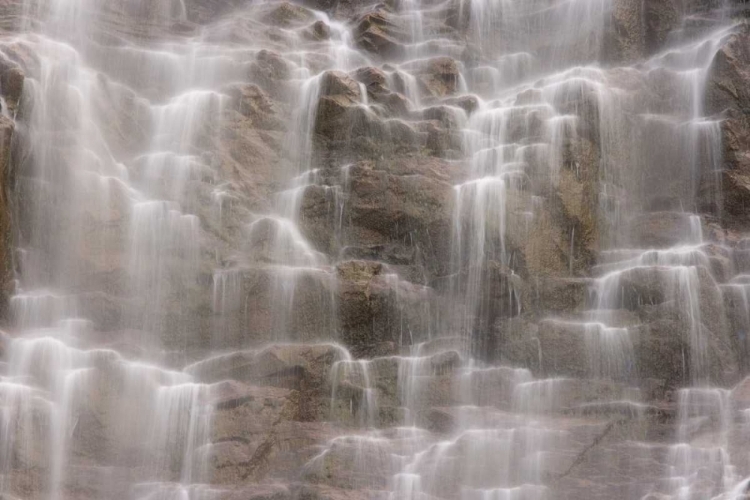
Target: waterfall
{"x":460,"y":250}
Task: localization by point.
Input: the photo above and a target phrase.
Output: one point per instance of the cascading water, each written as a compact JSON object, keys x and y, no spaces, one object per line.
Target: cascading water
{"x":470,"y":249}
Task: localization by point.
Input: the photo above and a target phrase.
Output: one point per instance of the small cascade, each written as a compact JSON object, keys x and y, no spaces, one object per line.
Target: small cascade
{"x":351,"y":380}
{"x":482,"y":241}
{"x":704,"y":427}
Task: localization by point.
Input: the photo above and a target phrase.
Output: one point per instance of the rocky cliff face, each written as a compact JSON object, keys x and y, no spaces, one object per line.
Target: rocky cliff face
{"x":347,"y":249}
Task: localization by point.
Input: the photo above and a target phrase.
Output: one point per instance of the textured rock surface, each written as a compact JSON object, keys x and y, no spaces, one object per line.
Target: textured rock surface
{"x":341,"y":249}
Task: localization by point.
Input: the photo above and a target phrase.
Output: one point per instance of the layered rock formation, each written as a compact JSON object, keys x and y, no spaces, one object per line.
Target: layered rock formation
{"x":407,"y":250}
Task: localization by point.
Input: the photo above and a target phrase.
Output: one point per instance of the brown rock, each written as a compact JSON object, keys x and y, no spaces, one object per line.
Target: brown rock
{"x":380,"y":33}
{"x":288,"y":14}
{"x":439,"y":76}
{"x":376,"y":307}
{"x":270,"y":71}
{"x":320,"y":31}
{"x":375,"y":80}
{"x":729,"y":80}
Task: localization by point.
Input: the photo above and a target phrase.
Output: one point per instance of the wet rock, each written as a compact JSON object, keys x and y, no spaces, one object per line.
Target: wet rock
{"x":655,"y":284}
{"x":727,"y":93}
{"x":119,"y":107}
{"x":338,"y":84}
{"x":582,"y":349}
{"x":489,"y":293}
{"x":557,"y":295}
{"x":736,"y":187}
{"x":383,"y":203}
{"x":495,"y":386}
{"x":319,"y":31}
{"x":662,"y":230}
{"x":7,"y":128}
{"x":374,"y":78}
{"x":579,"y":197}
{"x":350,"y":463}
{"x":252,"y":102}
{"x":442,"y":344}
{"x":741,"y":394}
{"x":439,"y":421}
{"x":277,"y":365}
{"x":322,"y":492}
{"x":287,"y":14}
{"x":30,"y":432}
{"x":661,"y":348}
{"x":638,"y":29}
{"x":672,"y":347}
{"x":660,"y":17}
{"x":268,"y":403}
{"x":395,"y":104}
{"x":729,"y":74}
{"x":468,"y":103}
{"x":382,"y":210}
{"x":253,"y":317}
{"x":626,"y":40}
{"x":375,"y":307}
{"x":11,"y":85}
{"x":542,"y":246}
{"x":392,"y":103}
{"x":380,"y":33}
{"x":439,"y":76}
{"x":447,"y":117}
{"x":562,"y":394}
{"x":270,"y":71}
{"x":348,"y":128}
{"x":259,"y":492}
{"x":228,"y":460}
{"x":205,"y":11}
{"x":408,"y":198}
